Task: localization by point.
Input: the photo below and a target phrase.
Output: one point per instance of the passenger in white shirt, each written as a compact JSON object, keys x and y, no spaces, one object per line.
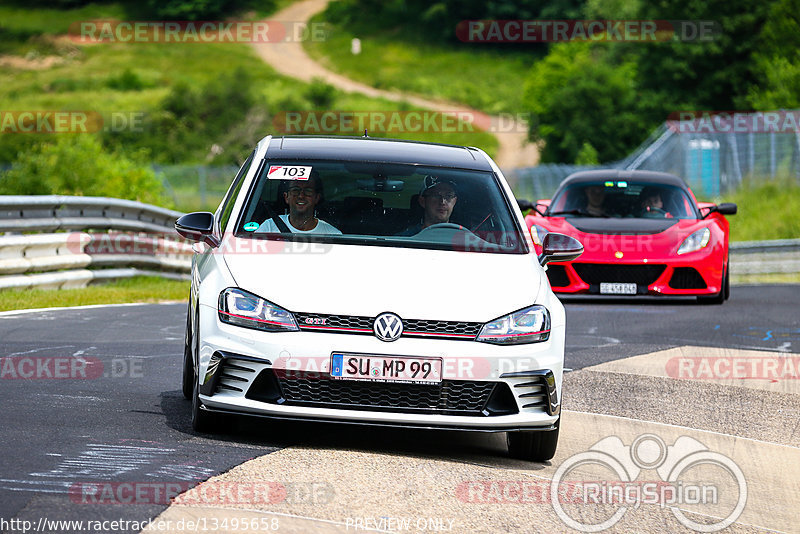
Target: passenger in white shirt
{"x":302,"y":198}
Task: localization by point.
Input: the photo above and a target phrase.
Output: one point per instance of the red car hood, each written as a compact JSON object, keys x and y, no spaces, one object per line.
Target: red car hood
{"x":606,"y":239}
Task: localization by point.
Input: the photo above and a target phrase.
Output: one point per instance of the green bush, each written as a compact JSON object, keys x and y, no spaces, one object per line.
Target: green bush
{"x":587,"y":155}
{"x":76,"y":164}
{"x":203,"y":9}
{"x":189,"y":120}
{"x":320,"y":94}
{"x":127,"y":80}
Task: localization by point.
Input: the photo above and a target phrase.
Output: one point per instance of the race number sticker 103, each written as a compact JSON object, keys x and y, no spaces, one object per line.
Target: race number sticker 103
{"x":288,"y":172}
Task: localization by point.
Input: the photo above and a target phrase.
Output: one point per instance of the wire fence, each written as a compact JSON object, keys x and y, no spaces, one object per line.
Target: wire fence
{"x":714,"y":154}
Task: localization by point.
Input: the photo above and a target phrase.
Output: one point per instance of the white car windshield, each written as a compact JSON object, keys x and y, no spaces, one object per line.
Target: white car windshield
{"x":381,"y":204}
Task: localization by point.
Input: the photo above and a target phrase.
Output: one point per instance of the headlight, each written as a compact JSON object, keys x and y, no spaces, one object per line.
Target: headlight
{"x":538,"y":233}
{"x":696,"y":241}
{"x":241,"y":308}
{"x":530,"y":325}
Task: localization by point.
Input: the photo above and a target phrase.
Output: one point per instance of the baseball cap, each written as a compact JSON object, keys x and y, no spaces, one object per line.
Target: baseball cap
{"x":431,"y":181}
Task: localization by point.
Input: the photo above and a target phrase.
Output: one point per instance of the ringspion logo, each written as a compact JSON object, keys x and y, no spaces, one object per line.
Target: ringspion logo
{"x":692,"y":479}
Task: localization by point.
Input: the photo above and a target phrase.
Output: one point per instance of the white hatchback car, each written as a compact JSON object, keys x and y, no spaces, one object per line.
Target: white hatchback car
{"x":378,"y":282}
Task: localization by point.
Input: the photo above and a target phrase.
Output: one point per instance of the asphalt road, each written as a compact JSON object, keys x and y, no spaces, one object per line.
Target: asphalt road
{"x":96,"y":403}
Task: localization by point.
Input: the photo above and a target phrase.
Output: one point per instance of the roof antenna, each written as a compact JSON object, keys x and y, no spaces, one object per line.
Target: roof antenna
{"x":365,"y":133}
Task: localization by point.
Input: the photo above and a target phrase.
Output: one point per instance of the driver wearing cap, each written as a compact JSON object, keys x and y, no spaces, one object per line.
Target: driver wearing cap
{"x":438,"y":198}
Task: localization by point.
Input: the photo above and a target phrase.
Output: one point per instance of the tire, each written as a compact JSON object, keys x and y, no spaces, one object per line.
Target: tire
{"x":188,"y":378}
{"x":723,"y":294}
{"x":533,"y":445}
{"x":202,"y":420}
{"x":727,"y":284}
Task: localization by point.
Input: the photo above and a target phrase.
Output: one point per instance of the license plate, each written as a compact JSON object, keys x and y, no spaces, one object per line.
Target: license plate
{"x":386,"y":368}
{"x":615,"y":288}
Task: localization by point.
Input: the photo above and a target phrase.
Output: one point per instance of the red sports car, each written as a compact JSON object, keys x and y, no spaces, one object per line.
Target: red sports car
{"x":643,"y":233}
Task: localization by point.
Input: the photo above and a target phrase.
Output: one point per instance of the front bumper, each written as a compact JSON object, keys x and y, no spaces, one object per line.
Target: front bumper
{"x":690,"y":276}
{"x":237,"y":364}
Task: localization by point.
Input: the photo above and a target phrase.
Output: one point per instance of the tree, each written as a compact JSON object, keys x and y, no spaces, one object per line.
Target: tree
{"x":577,"y":96}
{"x":777,"y":60}
{"x":702,"y":74}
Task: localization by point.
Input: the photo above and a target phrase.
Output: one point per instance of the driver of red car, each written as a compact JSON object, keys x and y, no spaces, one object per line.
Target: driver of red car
{"x":651,"y":203}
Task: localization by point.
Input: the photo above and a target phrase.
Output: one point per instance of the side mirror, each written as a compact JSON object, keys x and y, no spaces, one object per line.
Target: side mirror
{"x":559,"y":247}
{"x":525,"y":205}
{"x":727,"y":208}
{"x":197,"y":226}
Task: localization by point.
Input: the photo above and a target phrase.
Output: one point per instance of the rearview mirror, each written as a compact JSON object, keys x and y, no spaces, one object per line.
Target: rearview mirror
{"x":379,"y":184}
{"x":197,"y":226}
{"x":559,"y":247}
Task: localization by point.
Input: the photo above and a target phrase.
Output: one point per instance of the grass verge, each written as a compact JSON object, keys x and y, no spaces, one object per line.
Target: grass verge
{"x":485,"y":79}
{"x":767,"y":210}
{"x":137,"y":289}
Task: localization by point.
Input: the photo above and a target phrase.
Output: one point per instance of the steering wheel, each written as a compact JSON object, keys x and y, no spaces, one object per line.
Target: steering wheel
{"x":447,"y":225}
{"x":655,"y":212}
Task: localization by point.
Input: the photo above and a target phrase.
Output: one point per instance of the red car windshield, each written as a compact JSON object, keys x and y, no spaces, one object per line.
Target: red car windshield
{"x":622,"y":199}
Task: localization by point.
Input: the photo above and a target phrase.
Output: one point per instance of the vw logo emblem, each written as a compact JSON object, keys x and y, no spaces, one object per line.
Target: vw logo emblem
{"x":387,"y":327}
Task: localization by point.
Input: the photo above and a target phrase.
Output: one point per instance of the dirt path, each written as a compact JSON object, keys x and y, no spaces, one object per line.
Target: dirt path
{"x":290,"y":58}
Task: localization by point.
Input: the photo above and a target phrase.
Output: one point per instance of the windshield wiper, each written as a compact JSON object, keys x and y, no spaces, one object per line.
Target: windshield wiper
{"x":582,"y":213}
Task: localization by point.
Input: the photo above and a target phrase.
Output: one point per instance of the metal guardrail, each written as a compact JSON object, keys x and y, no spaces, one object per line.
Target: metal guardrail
{"x":89,"y":239}
{"x":96,"y":238}
{"x":780,"y":256}
{"x":760,"y":247}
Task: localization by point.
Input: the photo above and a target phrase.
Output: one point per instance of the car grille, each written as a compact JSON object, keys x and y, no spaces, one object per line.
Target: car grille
{"x":557,"y":274}
{"x":686,"y":278}
{"x":449,"y":397}
{"x":597,"y":273}
{"x":353,"y":324}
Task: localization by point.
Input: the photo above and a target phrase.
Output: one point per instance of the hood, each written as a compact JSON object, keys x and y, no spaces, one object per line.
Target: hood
{"x":631,"y":226}
{"x":604,"y":246}
{"x":368,"y":280}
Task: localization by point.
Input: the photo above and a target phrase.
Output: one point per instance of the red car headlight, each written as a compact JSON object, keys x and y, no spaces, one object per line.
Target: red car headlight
{"x":696,"y":241}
